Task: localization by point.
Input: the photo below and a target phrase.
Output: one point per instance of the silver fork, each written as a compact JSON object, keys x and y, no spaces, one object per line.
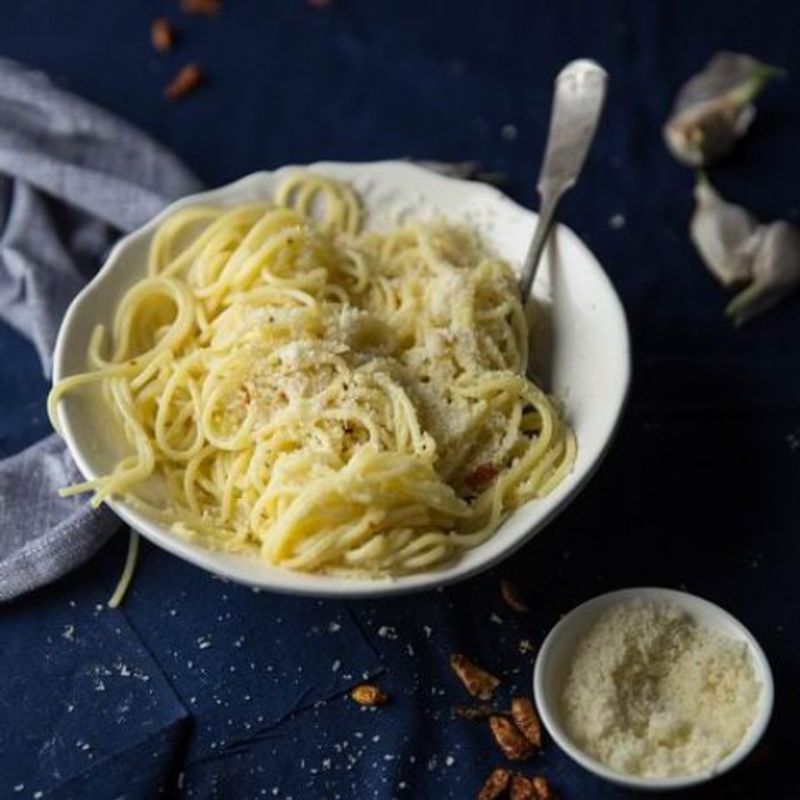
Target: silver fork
{"x":580,"y":91}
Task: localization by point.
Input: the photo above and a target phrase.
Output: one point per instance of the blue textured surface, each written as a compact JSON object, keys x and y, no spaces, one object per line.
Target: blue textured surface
{"x":699,"y":492}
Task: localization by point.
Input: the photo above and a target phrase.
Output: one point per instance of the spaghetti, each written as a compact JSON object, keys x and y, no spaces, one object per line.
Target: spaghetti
{"x":340,"y":401}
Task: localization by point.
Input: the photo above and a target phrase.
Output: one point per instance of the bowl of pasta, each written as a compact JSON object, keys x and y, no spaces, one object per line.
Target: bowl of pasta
{"x":322,"y":380}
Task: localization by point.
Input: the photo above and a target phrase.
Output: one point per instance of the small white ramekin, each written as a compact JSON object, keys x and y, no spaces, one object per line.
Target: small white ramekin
{"x":559,"y":646}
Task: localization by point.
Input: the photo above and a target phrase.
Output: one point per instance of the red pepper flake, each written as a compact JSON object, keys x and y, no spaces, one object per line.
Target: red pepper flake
{"x":201,"y":8}
{"x":185,"y":82}
{"x":162,"y":35}
{"x":512,"y":597}
{"x":481,"y":476}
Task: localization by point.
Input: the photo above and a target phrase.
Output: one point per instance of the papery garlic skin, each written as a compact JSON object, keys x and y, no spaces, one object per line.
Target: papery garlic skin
{"x":775,"y":272}
{"x":721,"y":232}
{"x":715,"y":108}
{"x":736,"y":249}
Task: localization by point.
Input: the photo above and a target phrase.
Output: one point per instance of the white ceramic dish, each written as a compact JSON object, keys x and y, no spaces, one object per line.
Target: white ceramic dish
{"x":589,"y":354}
{"x":556,"y":653}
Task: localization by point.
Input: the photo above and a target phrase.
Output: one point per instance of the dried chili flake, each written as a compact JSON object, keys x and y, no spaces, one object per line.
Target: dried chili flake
{"x":481,"y":476}
{"x":201,"y":8}
{"x":512,"y":597}
{"x":162,"y":35}
{"x":188,"y":78}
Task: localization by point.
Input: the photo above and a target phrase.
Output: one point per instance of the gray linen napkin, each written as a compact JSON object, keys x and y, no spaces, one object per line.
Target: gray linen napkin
{"x":72,"y":177}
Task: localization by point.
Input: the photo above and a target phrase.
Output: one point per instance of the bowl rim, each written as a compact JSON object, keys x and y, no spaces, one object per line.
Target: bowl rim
{"x":545,"y":701}
{"x":323,"y":585}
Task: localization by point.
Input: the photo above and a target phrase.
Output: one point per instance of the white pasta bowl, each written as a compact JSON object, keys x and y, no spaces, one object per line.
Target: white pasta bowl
{"x":586,"y":352}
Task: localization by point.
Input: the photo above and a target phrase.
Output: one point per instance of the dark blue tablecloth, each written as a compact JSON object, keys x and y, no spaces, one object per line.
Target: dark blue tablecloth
{"x":202,"y":689}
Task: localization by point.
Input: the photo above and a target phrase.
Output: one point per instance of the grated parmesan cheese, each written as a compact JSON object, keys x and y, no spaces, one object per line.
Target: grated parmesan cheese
{"x":653,"y":693}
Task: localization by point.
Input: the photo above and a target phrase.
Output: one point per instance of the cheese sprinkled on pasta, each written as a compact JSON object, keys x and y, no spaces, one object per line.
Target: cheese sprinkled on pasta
{"x":336,"y":400}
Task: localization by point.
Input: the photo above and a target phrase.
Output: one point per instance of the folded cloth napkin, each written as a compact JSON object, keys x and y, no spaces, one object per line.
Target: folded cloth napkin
{"x":72,"y":177}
